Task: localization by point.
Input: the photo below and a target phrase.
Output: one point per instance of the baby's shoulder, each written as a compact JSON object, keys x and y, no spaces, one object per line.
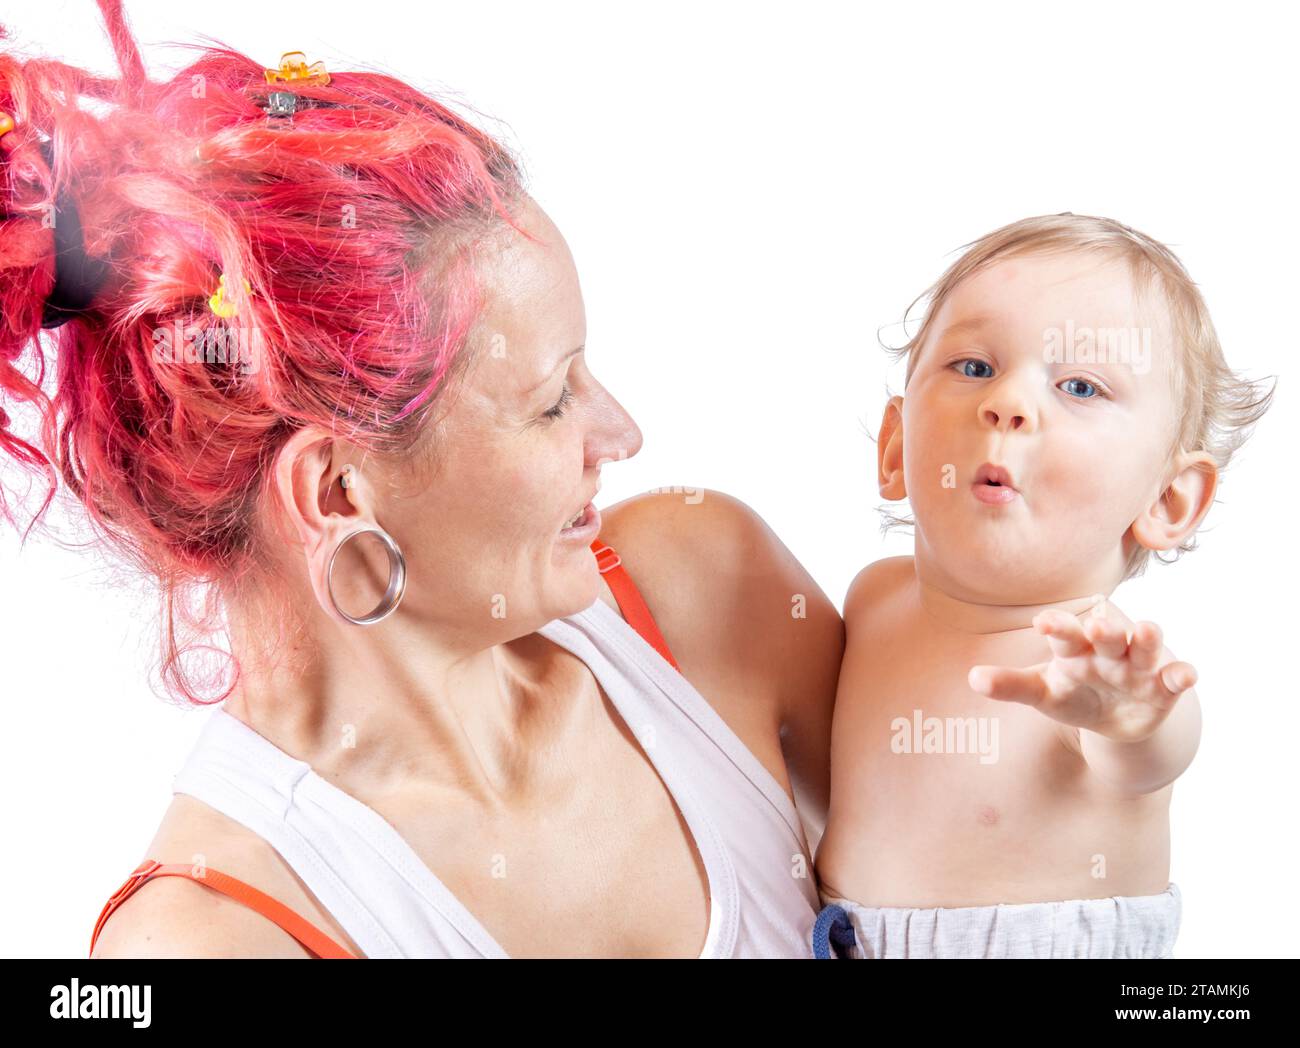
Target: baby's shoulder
{"x":878,"y":582}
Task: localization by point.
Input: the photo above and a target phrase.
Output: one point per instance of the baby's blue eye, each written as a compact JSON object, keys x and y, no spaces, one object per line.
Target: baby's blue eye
{"x":967,"y":365}
{"x":1081,"y":388}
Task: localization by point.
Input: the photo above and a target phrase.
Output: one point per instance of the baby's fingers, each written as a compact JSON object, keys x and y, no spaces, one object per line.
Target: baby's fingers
{"x":1010,"y":685}
{"x":1176,"y":678}
{"x":1064,"y":633}
{"x":1144,"y":650}
{"x":1109,"y":639}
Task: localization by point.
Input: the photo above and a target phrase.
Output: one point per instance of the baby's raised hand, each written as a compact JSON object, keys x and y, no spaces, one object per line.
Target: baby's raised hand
{"x":1100,"y":676}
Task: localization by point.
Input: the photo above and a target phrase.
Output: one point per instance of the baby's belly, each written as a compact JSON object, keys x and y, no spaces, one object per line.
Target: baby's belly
{"x":972,"y":825}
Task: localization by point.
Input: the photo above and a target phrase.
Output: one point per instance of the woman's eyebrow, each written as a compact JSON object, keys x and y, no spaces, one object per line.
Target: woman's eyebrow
{"x":545,"y":378}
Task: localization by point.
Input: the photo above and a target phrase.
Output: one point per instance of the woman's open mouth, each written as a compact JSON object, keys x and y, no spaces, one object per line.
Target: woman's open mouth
{"x":584,"y":527}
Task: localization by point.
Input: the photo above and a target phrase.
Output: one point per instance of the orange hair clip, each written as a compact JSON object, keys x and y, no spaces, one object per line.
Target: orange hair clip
{"x":6,"y":124}
{"x":294,"y":70}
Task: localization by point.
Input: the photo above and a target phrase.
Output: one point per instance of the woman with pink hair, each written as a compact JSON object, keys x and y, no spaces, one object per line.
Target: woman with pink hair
{"x":320,"y":372}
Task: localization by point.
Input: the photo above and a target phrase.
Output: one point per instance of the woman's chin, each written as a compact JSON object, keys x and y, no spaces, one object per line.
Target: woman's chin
{"x":578,"y":587}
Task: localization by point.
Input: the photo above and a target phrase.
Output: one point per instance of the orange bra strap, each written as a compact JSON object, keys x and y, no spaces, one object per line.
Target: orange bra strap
{"x":320,"y":944}
{"x":634,"y":608}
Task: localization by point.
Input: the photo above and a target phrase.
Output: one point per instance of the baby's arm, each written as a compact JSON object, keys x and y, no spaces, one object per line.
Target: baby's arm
{"x":1135,"y":715}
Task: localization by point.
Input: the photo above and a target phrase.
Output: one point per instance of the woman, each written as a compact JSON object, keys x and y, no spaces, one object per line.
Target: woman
{"x":462,"y":724}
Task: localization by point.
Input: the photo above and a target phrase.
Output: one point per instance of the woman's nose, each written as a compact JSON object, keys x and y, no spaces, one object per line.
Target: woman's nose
{"x":613,"y":435}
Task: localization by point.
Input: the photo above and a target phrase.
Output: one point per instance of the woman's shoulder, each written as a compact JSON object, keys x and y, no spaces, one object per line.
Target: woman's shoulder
{"x":729,"y":597}
{"x":176,"y":917}
{"x":690,"y":525}
{"x":679,"y":544}
{"x":173,"y":916}
{"x":693,"y":527}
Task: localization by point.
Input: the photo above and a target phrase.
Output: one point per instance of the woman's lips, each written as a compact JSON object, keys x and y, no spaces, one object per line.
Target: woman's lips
{"x":587,"y":527}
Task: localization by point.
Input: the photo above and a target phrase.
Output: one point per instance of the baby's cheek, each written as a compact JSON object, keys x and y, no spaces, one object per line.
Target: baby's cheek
{"x":1082,"y":475}
{"x":927,"y":465}
{"x":1092,"y":497}
{"x":924,"y":485}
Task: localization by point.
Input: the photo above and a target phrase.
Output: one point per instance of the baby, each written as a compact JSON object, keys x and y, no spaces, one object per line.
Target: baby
{"x":1005,"y":740}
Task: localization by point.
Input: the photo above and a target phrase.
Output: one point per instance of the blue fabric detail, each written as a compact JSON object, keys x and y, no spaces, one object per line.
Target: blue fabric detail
{"x":832,"y":931}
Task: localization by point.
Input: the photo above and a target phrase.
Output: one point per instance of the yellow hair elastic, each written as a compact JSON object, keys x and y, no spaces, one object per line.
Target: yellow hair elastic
{"x":218,"y":304}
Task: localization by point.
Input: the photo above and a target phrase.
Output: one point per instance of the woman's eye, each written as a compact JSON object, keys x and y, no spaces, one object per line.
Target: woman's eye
{"x":566,"y":398}
{"x":973,"y":368}
{"x":1081,"y":388}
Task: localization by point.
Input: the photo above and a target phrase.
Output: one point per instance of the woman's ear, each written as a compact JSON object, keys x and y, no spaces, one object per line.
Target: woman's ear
{"x":315,"y":489}
{"x":324,"y":500}
{"x":1182,"y":505}
{"x":889,"y":451}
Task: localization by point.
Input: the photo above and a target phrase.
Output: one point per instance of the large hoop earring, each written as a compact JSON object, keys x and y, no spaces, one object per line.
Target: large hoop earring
{"x":396,"y":578}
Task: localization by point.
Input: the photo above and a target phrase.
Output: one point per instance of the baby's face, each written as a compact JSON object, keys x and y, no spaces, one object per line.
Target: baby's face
{"x":1004,"y":383}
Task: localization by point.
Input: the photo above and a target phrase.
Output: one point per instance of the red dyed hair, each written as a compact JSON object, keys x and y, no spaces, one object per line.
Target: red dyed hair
{"x":179,"y":182}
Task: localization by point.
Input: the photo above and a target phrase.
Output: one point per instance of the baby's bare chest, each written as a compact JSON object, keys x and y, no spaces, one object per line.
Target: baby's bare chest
{"x":905,"y":707}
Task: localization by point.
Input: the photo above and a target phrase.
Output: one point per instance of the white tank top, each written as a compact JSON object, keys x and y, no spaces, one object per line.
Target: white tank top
{"x":763,"y":899}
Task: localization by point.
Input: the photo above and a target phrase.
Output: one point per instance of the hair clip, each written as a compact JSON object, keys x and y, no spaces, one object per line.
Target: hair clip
{"x":6,"y":124}
{"x":281,"y":104}
{"x":294,"y":69}
{"x":218,"y":304}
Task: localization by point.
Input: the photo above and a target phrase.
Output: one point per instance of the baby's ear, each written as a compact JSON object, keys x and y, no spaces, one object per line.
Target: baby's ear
{"x":889,"y":451}
{"x":1181,"y":507}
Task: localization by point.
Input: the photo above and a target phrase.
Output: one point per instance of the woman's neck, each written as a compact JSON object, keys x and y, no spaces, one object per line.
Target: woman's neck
{"x":401,"y":714}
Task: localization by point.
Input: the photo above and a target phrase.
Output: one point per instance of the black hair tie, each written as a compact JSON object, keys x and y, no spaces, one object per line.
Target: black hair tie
{"x":77,"y":277}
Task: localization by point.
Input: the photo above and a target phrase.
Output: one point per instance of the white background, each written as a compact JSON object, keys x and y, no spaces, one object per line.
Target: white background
{"x":751,"y":191}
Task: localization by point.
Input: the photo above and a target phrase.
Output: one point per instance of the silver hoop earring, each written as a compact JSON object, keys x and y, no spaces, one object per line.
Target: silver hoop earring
{"x":396,"y":578}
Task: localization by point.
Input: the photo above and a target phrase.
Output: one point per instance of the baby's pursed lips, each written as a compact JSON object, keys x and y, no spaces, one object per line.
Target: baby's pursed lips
{"x":995,"y":475}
